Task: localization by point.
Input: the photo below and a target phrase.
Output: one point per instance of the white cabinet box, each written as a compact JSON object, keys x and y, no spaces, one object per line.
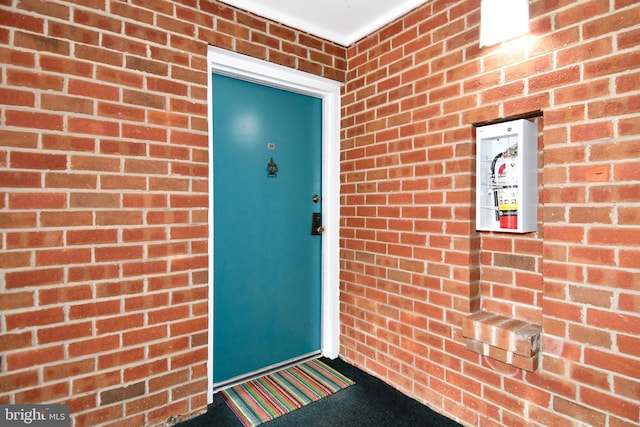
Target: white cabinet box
{"x":507,"y":177}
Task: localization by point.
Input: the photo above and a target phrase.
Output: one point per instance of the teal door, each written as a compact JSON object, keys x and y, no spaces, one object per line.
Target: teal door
{"x":267,"y":146}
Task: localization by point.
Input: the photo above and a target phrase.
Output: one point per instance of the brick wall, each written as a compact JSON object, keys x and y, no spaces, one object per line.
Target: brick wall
{"x":413,"y":268}
{"x":103,"y":170}
{"x":104,"y":196}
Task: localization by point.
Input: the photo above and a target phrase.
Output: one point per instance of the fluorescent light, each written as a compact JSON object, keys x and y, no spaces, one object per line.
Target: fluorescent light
{"x":502,"y":20}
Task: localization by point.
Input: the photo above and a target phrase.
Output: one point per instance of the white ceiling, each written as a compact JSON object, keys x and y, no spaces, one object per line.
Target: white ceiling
{"x":341,"y":21}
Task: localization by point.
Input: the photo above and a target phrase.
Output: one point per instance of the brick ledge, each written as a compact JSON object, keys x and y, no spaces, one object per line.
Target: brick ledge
{"x":508,"y":340}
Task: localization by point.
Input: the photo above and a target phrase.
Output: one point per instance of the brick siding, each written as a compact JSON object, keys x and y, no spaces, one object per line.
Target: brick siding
{"x":103,"y":209}
{"x":413,"y":268}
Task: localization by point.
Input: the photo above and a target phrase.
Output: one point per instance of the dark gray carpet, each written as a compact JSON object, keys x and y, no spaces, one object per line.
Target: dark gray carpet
{"x":368,"y":403}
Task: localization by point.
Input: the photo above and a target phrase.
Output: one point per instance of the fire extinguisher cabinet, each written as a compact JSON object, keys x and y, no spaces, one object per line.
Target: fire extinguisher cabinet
{"x":507,"y":177}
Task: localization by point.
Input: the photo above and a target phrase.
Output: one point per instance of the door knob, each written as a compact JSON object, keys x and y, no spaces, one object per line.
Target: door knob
{"x":315,"y":198}
{"x":319,"y":230}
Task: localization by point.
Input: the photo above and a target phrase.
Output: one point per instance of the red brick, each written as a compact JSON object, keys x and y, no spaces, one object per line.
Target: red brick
{"x":34,"y":318}
{"x":96,"y":236}
{"x":97,"y":20}
{"x":610,"y":404}
{"x":607,"y":320}
{"x":616,"y":64}
{"x":157,"y":201}
{"x":40,"y":277}
{"x":589,"y":376}
{"x":145,"y":33}
{"x":67,"y":218}
{"x":144,"y":234}
{"x":32,"y":120}
{"x":627,"y":171}
{"x":613,"y":107}
{"x":143,"y":268}
{"x":168,"y":314}
{"x":169,"y":381}
{"x":17,"y":97}
{"x":18,"y":381}
{"x":134,"y":13}
{"x":47,"y":393}
{"x":121,"y":358}
{"x":68,"y":370}
{"x":93,"y":127}
{"x":63,"y":256}
{"x":15,"y":259}
{"x":594,"y":297}
{"x":69,"y":180}
{"x":64,"y":333}
{"x":87,"y":384}
{"x":190,"y":358}
{"x":108,"y":218}
{"x":612,"y":362}
{"x":187,"y":326}
{"x":168,"y":282}
{"x":627,"y":387}
{"x":529,"y":364}
{"x":64,"y":294}
{"x":119,"y":76}
{"x":117,"y":253}
{"x":157,"y":400}
{"x":36,"y":357}
{"x":144,"y":370}
{"x":95,"y":417}
{"x":19,"y":340}
{"x":627,"y":83}
{"x":16,"y":300}
{"x":68,"y":143}
{"x":66,"y":65}
{"x":64,"y":31}
{"x":164,"y":411}
{"x":629,"y":302}
{"x":144,"y":335}
{"x":144,"y":99}
{"x":25,"y":22}
{"x":37,"y":200}
{"x":34,"y":239}
{"x":115,"y":111}
{"x":578,"y":412}
{"x":93,"y":346}
{"x":613,"y":236}
{"x":122,"y":393}
{"x":143,"y":133}
{"x":94,"y":310}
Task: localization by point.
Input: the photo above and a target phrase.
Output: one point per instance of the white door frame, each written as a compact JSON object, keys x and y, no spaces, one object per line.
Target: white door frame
{"x":257,"y":71}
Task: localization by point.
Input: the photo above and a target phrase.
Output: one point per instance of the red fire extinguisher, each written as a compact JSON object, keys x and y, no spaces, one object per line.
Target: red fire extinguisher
{"x":504,"y":180}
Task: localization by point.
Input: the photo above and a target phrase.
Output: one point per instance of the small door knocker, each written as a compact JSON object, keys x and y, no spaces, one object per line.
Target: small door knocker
{"x":272,"y":169}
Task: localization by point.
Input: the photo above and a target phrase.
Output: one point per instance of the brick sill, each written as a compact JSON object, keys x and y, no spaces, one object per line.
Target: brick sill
{"x":508,"y":340}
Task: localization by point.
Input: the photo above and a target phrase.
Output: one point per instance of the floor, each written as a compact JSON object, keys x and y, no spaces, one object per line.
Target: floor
{"x":369,"y":402}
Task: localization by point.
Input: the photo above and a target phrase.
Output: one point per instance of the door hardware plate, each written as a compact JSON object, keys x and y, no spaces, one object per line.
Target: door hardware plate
{"x":316,"y":224}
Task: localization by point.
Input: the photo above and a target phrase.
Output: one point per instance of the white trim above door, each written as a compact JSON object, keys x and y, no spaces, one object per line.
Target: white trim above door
{"x":262,"y":72}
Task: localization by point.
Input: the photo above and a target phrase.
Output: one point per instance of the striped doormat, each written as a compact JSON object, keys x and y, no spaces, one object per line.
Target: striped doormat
{"x":268,"y":397}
